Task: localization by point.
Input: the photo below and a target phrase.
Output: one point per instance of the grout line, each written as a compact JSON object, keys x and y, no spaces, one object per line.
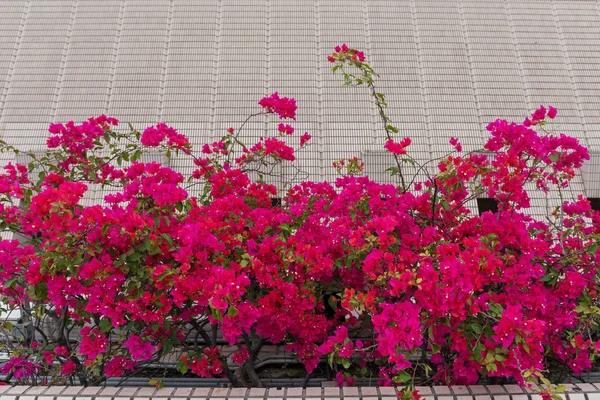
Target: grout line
{"x":569,"y":66}
{"x":372,"y":107}
{"x":470,"y":63}
{"x":115,"y":55}
{"x":278,"y":182}
{"x":320,"y":135}
{"x":424,"y":100}
{"x":165,"y":61}
{"x":518,"y":55}
{"x":217,"y":50}
{"x":63,"y":61}
{"x":13,"y":57}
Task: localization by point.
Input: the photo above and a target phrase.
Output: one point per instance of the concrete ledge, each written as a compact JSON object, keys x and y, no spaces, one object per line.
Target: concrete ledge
{"x":582,"y":391}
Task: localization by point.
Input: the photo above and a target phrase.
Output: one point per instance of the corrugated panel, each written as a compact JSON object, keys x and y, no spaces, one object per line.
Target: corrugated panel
{"x":591,"y":174}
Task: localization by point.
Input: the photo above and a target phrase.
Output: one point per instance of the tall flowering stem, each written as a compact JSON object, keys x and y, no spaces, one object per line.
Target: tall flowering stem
{"x":343,"y":56}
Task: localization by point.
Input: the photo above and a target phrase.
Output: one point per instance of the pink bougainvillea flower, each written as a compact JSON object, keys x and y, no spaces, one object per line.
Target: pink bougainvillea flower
{"x":397,"y":148}
{"x":305,"y":138}
{"x":68,"y":367}
{"x":283,"y":106}
{"x":454,"y":142}
{"x":285,"y":129}
{"x":139,"y":349}
{"x":117,"y":366}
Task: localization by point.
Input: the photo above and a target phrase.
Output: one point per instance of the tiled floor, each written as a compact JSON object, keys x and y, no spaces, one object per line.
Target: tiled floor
{"x":585,"y":391}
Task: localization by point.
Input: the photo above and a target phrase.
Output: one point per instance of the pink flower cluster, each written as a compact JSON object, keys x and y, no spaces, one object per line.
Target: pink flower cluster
{"x":138,"y":348}
{"x":155,"y":135}
{"x":539,"y":115}
{"x":283,"y":106}
{"x":397,"y":148}
{"x":75,"y":139}
{"x":344,"y":52}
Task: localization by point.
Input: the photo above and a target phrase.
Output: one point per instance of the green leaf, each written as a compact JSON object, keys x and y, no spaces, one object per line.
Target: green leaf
{"x":496,"y":308}
{"x":155,"y":251}
{"x":168,"y":238}
{"x":134,"y":257}
{"x":38,"y":292}
{"x":445,"y":204}
{"x":545,"y":381}
{"x":402,"y":377}
{"x":475,"y":327}
{"x":353,"y":214}
{"x":333,"y":302}
{"x":553,"y":157}
{"x":146,"y":244}
{"x":216,"y":314}
{"x":479,"y":348}
{"x":393,"y":171}
{"x":594,"y":248}
{"x":232,"y":311}
{"x":346,"y":363}
{"x":11,"y":283}
{"x":105,"y":325}
{"x":156,"y":382}
{"x":428,"y":370}
{"x":392,"y":128}
{"x":167,"y":347}
{"x":182,"y":367}
{"x":581,"y":308}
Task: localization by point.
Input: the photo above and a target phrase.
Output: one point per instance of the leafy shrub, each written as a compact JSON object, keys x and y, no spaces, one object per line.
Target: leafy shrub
{"x":402,"y":278}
